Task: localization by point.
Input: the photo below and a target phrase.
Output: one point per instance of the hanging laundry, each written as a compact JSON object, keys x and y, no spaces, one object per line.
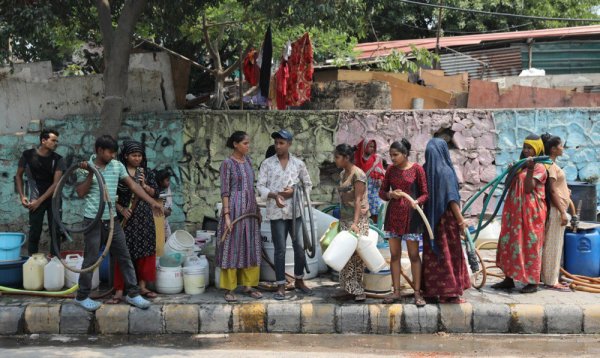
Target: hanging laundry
{"x":251,"y":69}
{"x":282,"y":79}
{"x":265,"y":68}
{"x":300,"y":72}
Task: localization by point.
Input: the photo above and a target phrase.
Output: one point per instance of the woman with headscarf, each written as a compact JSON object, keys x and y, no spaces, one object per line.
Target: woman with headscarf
{"x":521,"y":239}
{"x":367,"y":159}
{"x":137,"y":220}
{"x":445,"y":273}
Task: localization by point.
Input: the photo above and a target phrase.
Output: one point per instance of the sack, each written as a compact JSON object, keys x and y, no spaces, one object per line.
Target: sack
{"x":332,"y":231}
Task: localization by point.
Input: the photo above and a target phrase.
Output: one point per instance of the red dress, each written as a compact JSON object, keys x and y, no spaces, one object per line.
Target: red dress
{"x":521,"y":240}
{"x":445,"y":275}
{"x":400,"y":217}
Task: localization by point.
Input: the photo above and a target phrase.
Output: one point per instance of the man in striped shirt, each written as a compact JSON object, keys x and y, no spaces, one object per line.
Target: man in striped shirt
{"x":113,"y":171}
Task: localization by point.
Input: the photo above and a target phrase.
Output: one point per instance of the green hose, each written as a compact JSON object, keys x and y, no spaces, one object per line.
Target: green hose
{"x":40,"y":293}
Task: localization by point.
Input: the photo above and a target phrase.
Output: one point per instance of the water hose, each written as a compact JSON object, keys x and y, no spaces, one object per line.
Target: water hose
{"x":104,"y":199}
{"x":301,"y":200}
{"x":57,"y":294}
{"x":237,"y":220}
{"x":420,"y":211}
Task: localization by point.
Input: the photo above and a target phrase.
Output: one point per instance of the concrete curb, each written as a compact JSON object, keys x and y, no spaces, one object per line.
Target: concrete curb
{"x":295,"y":317}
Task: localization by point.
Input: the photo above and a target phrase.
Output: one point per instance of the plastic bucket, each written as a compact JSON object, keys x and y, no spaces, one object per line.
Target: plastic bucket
{"x":380,"y":282}
{"x":194,"y":280}
{"x":169,"y":280}
{"x":10,"y":245}
{"x":11,"y":272}
{"x":180,"y":242}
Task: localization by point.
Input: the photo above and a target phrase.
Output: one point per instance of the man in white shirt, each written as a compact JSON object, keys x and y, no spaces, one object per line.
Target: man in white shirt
{"x":277,"y":176}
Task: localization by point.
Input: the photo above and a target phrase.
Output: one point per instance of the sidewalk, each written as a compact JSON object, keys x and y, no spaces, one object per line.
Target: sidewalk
{"x":487,"y":311}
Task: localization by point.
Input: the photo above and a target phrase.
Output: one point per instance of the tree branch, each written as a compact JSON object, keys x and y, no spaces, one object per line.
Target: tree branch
{"x":211,"y":50}
{"x":236,"y":64}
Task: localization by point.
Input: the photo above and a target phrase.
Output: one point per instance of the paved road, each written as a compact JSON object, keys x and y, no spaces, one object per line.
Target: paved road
{"x":275,"y":345}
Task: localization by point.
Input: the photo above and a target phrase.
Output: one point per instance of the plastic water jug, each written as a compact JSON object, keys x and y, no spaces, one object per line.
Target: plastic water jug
{"x":33,"y":272}
{"x":72,"y":278}
{"x":368,"y":252}
{"x":340,"y":250}
{"x":582,"y":252}
{"x":194,"y":279}
{"x":54,"y":275}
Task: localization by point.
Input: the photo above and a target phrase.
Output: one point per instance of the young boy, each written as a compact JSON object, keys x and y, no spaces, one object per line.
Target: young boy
{"x":113,"y":171}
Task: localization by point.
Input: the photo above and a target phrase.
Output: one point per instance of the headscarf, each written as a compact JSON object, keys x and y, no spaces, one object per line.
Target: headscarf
{"x":371,"y":164}
{"x":442,"y":182}
{"x":128,"y":147}
{"x":536,"y":144}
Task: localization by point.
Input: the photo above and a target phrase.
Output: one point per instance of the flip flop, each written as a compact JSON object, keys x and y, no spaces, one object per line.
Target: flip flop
{"x":360,"y":298}
{"x":149,"y":294}
{"x":254,"y":294}
{"x":558,"y":287}
{"x":229,"y":297}
{"x":279,"y":296}
{"x":392,"y":298}
{"x":114,"y":300}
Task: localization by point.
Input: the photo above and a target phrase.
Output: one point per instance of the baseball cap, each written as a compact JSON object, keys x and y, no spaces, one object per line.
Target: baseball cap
{"x":283,"y":134}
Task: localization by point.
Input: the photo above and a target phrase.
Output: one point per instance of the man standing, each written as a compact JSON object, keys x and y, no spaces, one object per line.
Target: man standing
{"x":113,"y":171}
{"x":277,"y":176}
{"x":43,"y":167}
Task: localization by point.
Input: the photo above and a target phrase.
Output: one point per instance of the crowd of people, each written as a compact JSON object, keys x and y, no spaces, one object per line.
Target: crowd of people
{"x":529,"y":248}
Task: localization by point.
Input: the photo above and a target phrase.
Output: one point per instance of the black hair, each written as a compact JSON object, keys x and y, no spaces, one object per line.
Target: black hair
{"x":106,"y":142}
{"x":550,"y":141}
{"x":270,"y":151}
{"x":163,"y":174}
{"x":345,"y":150}
{"x":236,"y":137}
{"x":403,"y":146}
{"x":45,"y":133}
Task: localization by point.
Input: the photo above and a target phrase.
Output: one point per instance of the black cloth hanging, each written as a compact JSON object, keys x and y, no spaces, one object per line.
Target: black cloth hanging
{"x":265,"y":68}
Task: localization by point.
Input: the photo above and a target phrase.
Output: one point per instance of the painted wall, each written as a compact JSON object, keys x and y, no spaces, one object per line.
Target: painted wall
{"x":192,"y":143}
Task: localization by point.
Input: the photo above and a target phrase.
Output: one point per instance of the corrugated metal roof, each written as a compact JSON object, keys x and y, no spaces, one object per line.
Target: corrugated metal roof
{"x":565,"y":57}
{"x":372,"y":50}
{"x":484,"y":64}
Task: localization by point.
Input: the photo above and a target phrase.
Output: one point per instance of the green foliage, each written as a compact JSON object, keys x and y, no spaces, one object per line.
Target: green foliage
{"x":400,"y":62}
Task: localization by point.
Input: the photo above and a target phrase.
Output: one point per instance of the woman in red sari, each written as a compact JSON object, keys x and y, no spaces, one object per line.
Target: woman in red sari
{"x":521,"y":240}
{"x":445,"y":273}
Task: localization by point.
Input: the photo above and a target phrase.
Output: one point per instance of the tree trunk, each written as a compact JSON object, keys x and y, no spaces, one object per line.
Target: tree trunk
{"x":117,"y":46}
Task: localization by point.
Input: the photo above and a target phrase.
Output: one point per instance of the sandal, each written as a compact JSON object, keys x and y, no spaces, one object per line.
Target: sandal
{"x":254,"y":294}
{"x":279,"y":296}
{"x":304,"y":289}
{"x":149,"y":294}
{"x":115,"y":300}
{"x":453,"y":300}
{"x":392,"y":298}
{"x":229,"y":297}
{"x":530,"y":288}
{"x":419,"y":301}
{"x":558,"y":287}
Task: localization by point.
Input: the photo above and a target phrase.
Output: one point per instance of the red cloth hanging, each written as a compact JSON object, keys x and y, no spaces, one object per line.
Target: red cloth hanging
{"x":300,"y":71}
{"x":251,"y":69}
{"x":282,"y":78}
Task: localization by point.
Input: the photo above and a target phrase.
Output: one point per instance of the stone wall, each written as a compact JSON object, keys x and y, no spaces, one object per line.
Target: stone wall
{"x":32,"y":92}
{"x":192,"y":143}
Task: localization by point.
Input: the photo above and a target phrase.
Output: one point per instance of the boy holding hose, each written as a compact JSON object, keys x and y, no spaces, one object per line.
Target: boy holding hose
{"x":113,"y":171}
